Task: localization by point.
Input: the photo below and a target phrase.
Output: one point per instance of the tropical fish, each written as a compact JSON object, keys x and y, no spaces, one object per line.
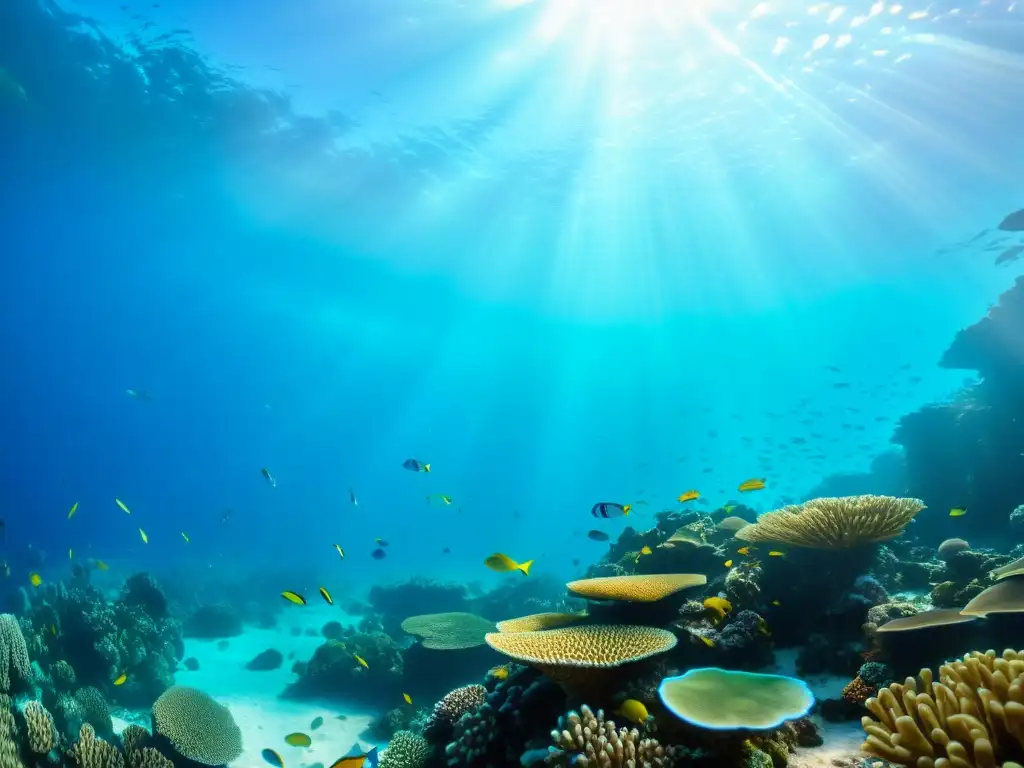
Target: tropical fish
{"x":407,"y":698}
{"x":762,"y":627}
{"x":341,"y":552}
{"x":71,"y":554}
{"x":121,"y":679}
{"x":503,"y":563}
{"x":597,"y":535}
{"x":271,"y":757}
{"x":958,"y":511}
{"x":414,"y":465}
{"x":378,"y":554}
{"x":74,"y":508}
{"x":500,"y":672}
{"x":691,"y":495}
{"x":610,"y":509}
{"x":145,"y":538}
{"x":776,"y":553}
{"x":444,"y":499}
{"x":381,"y":542}
{"x":268,"y":477}
{"x":743,"y":551}
{"x":298,"y":739}
{"x":728,"y":508}
{"x":138,"y":394}
{"x":122,"y":506}
{"x":644,"y":550}
{"x":706,"y":640}
{"x":634,"y":710}
{"x":326,"y":596}
{"x":754,"y":484}
{"x":776,"y":603}
{"x":101,"y":566}
{"x":185,"y":537}
{"x":727,"y":563}
{"x":356,"y":758}
{"x":361,"y":660}
{"x":294,"y":597}
{"x":352,"y":498}
{"x":317,"y":722}
{"x":35,"y":579}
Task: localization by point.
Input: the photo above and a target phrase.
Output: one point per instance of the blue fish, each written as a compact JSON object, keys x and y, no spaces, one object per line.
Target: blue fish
{"x":610,"y":509}
{"x":378,"y":554}
{"x":356,"y":758}
{"x":273,"y":758}
{"x":414,"y":465}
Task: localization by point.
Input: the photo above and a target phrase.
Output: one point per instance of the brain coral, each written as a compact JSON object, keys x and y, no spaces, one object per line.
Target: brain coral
{"x":720,"y":699}
{"x":972,"y":716}
{"x":834,"y":522}
{"x":448,"y":631}
{"x":636,"y":589}
{"x":197,"y":727}
{"x":598,"y":645}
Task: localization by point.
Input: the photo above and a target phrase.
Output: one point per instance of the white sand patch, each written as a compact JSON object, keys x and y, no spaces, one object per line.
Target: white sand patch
{"x":253,"y":699}
{"x":840,"y":750}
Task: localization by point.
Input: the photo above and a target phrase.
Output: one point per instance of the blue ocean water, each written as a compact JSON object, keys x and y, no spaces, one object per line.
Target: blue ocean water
{"x":562,"y":251}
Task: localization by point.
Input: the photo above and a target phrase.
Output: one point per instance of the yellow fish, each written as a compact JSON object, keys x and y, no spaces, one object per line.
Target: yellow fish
{"x":743,"y":551}
{"x":74,"y":508}
{"x":500,"y":672}
{"x":691,"y":495}
{"x":121,"y":679}
{"x":361,"y":660}
{"x":298,"y":740}
{"x":776,"y":553}
{"x":145,"y":538}
{"x":753,"y":484}
{"x":294,"y":597}
{"x":326,"y":596}
{"x":727,"y":563}
{"x":341,"y":552}
{"x":728,"y":508}
{"x":35,"y":579}
{"x":446,"y":500}
{"x":707,"y":641}
{"x":185,"y":537}
{"x":634,"y":710}
{"x":407,"y":697}
{"x":101,"y":566}
{"x":762,"y":627}
{"x":503,"y":563}
{"x":776,"y":603}
{"x":644,"y":550}
{"x":53,"y":630}
{"x":958,"y":511}
{"x":122,"y":506}
{"x":719,"y":606}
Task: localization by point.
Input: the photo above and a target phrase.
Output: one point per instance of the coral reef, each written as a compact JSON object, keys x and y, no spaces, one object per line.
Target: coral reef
{"x":406,"y":750}
{"x":196,"y":727}
{"x":587,"y":739}
{"x":92,"y":752}
{"x":391,"y":604}
{"x":334,"y":670}
{"x":15,"y":667}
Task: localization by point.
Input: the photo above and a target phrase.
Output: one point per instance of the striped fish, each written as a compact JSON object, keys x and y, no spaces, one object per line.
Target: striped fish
{"x":610,"y":509}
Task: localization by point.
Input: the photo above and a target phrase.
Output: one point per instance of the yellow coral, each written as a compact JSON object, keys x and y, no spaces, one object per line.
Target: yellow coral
{"x":538,"y":621}
{"x":598,"y":645}
{"x":198,"y":727}
{"x":637,"y":589}
{"x":42,"y":733}
{"x":834,"y":522}
{"x":586,"y":740}
{"x":972,"y":717}
{"x":92,"y":752}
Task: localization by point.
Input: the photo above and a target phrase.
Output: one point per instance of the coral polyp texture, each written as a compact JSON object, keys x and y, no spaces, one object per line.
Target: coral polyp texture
{"x":585,"y":739}
{"x":720,"y":699}
{"x":197,"y":727}
{"x":598,"y":645}
{"x":14,"y":662}
{"x":971,"y":717}
{"x":539,"y":621}
{"x":635,"y":589}
{"x":839,"y":522}
{"x":448,"y":631}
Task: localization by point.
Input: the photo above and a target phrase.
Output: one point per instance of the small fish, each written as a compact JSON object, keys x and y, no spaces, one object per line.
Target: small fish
{"x":381,"y":542}
{"x":446,"y":551}
{"x":444,"y":499}
{"x":101,"y":566}
{"x":762,"y":627}
{"x":317,"y":722}
{"x":500,"y":672}
{"x":414,"y":465}
{"x":352,"y":498}
{"x":271,"y":757}
{"x":268,"y":477}
{"x":121,"y":679}
{"x":610,"y":509}
{"x":503,"y":563}
{"x":597,"y":535}
{"x":326,"y":596}
{"x":225,"y":516}
{"x":361,"y":660}
{"x":185,"y":537}
{"x":122,"y":506}
{"x":138,"y":394}
{"x":294,"y":597}
{"x":776,"y":603}
{"x":407,"y":698}
{"x":958,"y":511}
{"x":644,"y":550}
{"x":707,"y":641}
{"x":776,"y":553}
{"x":743,"y":551}
{"x":357,"y":759}
{"x":634,"y":710}
{"x":691,"y":495}
{"x":298,"y":739}
{"x":727,"y":563}
{"x":728,"y":508}
{"x":71,"y":554}
{"x":145,"y":538}
{"x":53,"y":630}
{"x":340,"y":551}
{"x":754,"y":484}
{"x":378,"y":554}
{"x":74,"y":508}
{"x":35,"y":579}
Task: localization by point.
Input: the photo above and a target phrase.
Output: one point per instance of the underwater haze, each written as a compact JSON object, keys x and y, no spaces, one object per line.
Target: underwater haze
{"x":387,"y":299}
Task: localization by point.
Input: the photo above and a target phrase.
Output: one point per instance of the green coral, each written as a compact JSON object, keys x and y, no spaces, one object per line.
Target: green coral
{"x":95,"y":710}
{"x":14,"y":662}
{"x":406,"y":750}
{"x":197,"y":727}
{"x":63,"y":675}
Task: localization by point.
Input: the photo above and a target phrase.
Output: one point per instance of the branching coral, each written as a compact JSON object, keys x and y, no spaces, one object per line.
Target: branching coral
{"x":95,"y":710}
{"x":197,"y":727}
{"x":971,"y":717}
{"x":457,"y":703}
{"x":406,"y":750}
{"x":42,"y":733}
{"x":92,"y":752}
{"x":834,"y":522}
{"x":587,"y":739}
{"x":15,"y":666}
{"x":147,"y":757}
{"x":9,"y":757}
